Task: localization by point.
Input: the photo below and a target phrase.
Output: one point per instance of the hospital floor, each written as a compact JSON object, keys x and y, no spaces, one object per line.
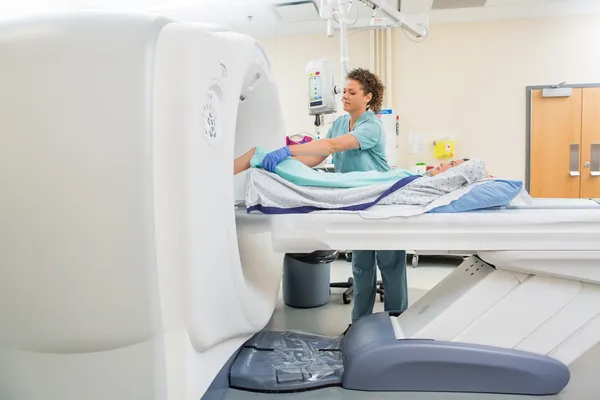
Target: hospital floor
{"x":334,"y":317}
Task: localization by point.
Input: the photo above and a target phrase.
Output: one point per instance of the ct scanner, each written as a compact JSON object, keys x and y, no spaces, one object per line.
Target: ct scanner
{"x":126,"y":273}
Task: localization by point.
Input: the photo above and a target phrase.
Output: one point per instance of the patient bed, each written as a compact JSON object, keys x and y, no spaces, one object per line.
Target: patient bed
{"x":532,"y":286}
{"x":127,"y":273}
{"x":545,"y":225}
{"x":537,"y":268}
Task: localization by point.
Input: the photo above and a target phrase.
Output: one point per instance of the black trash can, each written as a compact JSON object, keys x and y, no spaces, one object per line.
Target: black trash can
{"x":306,"y":278}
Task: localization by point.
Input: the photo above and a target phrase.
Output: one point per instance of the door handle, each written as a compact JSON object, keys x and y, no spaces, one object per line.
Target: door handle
{"x":594,"y":163}
{"x":574,"y":160}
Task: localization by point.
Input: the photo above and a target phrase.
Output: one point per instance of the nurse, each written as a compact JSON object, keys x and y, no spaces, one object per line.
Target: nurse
{"x":357,"y":142}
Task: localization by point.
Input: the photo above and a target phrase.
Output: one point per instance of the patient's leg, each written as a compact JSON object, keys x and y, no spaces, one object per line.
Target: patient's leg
{"x":242,"y":163}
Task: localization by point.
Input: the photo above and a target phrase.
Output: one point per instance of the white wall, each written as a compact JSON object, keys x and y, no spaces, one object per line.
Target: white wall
{"x":289,"y":56}
{"x":466,"y":80}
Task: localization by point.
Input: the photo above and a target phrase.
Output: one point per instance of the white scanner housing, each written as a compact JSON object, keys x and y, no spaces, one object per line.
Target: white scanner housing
{"x":125,"y":272}
{"x":119,"y":248}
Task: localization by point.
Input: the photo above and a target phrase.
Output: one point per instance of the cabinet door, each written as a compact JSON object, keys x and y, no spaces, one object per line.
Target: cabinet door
{"x":555,"y":152}
{"x":590,"y":144}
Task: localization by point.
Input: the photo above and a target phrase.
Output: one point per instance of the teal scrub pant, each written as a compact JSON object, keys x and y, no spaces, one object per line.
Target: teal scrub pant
{"x":392,"y":264}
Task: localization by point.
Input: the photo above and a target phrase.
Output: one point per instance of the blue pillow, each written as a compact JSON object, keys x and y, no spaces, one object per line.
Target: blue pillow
{"x":486,"y":195}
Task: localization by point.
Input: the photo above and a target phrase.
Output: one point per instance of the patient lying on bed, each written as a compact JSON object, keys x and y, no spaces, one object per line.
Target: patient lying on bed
{"x":297,"y":188}
{"x":298,"y":173}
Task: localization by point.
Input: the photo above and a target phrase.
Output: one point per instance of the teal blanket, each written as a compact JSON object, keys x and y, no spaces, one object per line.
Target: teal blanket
{"x":300,"y":174}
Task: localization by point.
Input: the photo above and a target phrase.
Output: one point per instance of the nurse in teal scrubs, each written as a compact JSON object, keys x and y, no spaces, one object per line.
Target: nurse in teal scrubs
{"x":357,"y":142}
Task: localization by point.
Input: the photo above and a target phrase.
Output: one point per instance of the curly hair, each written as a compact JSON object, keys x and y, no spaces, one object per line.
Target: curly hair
{"x":370,"y":83}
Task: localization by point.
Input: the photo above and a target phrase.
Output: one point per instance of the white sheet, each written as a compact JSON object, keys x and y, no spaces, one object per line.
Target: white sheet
{"x":399,"y":210}
{"x":378,"y":212}
{"x":273,"y":194}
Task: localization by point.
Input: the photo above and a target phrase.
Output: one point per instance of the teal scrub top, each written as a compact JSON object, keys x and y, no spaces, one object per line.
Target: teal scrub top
{"x":370,"y":134}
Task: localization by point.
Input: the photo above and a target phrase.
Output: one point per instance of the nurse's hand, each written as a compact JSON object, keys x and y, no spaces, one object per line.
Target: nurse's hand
{"x":275,"y":157}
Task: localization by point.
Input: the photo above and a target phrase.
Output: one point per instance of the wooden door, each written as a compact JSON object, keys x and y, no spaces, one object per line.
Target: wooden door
{"x":590,"y":144}
{"x":555,"y":152}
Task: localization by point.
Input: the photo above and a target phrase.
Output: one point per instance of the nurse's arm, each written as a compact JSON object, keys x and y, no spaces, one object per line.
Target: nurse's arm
{"x":242,"y":163}
{"x":310,"y":161}
{"x":325,"y":147}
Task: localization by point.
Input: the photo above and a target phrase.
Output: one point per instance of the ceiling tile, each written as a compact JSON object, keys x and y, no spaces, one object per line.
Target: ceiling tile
{"x":549,"y":8}
{"x":500,"y":3}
